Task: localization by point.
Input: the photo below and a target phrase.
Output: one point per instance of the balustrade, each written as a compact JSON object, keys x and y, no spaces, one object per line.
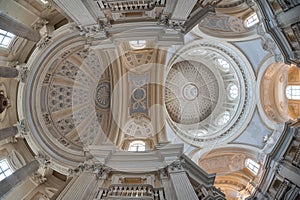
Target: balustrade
{"x":134,"y":191}
{"x":130,"y":5}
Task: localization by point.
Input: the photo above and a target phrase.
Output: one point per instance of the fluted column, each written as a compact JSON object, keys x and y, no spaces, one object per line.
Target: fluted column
{"x":8,"y":132}
{"x":83,"y":17}
{"x":167,"y":184}
{"x":10,"y":182}
{"x":8,"y":72}
{"x":181,"y":183}
{"x":84,"y":185}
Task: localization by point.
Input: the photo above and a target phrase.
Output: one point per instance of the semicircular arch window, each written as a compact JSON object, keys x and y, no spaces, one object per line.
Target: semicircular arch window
{"x":137,"y":145}
{"x":137,"y":44}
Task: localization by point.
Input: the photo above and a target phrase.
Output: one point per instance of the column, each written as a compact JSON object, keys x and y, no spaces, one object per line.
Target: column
{"x":290,"y":172}
{"x":167,"y":184}
{"x":289,"y":17}
{"x":80,"y":188}
{"x":85,"y":185}
{"x":11,"y":25}
{"x":8,"y":72}
{"x":83,"y":17}
{"x":8,"y":132}
{"x":10,"y":182}
{"x":181,"y":183}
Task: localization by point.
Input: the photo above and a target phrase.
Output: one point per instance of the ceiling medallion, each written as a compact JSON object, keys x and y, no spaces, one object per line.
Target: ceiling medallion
{"x":190,"y":91}
{"x":102,"y":95}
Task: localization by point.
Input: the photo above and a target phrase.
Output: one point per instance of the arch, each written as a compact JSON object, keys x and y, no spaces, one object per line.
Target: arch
{"x":233,"y":167}
{"x":272,"y":92}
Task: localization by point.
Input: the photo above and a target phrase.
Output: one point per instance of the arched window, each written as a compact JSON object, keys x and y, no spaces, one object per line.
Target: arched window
{"x":137,"y":44}
{"x":252,"y":165}
{"x":137,"y":146}
{"x":251,"y":20}
{"x":5,"y":38}
{"x":293,"y":92}
{"x":5,"y":169}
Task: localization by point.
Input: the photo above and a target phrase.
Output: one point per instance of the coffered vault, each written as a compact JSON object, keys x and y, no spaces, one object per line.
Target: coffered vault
{"x":149,"y":99}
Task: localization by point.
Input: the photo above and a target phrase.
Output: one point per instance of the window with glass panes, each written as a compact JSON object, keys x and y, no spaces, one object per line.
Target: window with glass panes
{"x":293,"y":92}
{"x":137,"y":146}
{"x":252,"y":165}
{"x":5,"y":38}
{"x":252,"y":20}
{"x":5,"y":169}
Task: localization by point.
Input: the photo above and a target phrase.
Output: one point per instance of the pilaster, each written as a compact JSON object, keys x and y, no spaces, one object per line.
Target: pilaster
{"x":182,"y":186}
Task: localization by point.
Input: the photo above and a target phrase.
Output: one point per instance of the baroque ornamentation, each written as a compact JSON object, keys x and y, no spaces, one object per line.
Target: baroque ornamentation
{"x":38,"y":178}
{"x":100,"y":170}
{"x":23,"y":72}
{"x":96,"y":30}
{"x":102,"y":95}
{"x":22,"y":128}
{"x":39,"y":24}
{"x":231,"y":118}
{"x":43,"y":159}
{"x":191,"y":92}
{"x":44,"y":41}
{"x":268,"y":43}
{"x":177,"y":165}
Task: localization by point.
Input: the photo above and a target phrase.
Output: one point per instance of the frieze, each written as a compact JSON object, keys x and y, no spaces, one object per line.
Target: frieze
{"x":38,"y":178}
{"x":44,"y":42}
{"x":176,"y":166}
{"x":43,"y":159}
{"x":22,"y":128}
{"x":100,"y":170}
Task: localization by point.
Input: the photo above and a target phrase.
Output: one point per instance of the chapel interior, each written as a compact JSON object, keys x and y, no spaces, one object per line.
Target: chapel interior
{"x":149,"y":99}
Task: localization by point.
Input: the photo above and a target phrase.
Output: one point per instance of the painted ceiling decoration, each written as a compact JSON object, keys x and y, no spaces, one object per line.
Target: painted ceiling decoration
{"x":107,"y":93}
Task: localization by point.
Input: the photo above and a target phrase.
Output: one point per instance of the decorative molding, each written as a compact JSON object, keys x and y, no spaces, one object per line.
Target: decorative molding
{"x":176,"y":166}
{"x":22,"y":128}
{"x":39,"y":24}
{"x":43,"y":159}
{"x":38,"y":178}
{"x":23,"y":72}
{"x":268,"y":43}
{"x":100,"y":170}
{"x":98,"y":30}
{"x":44,"y":41}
